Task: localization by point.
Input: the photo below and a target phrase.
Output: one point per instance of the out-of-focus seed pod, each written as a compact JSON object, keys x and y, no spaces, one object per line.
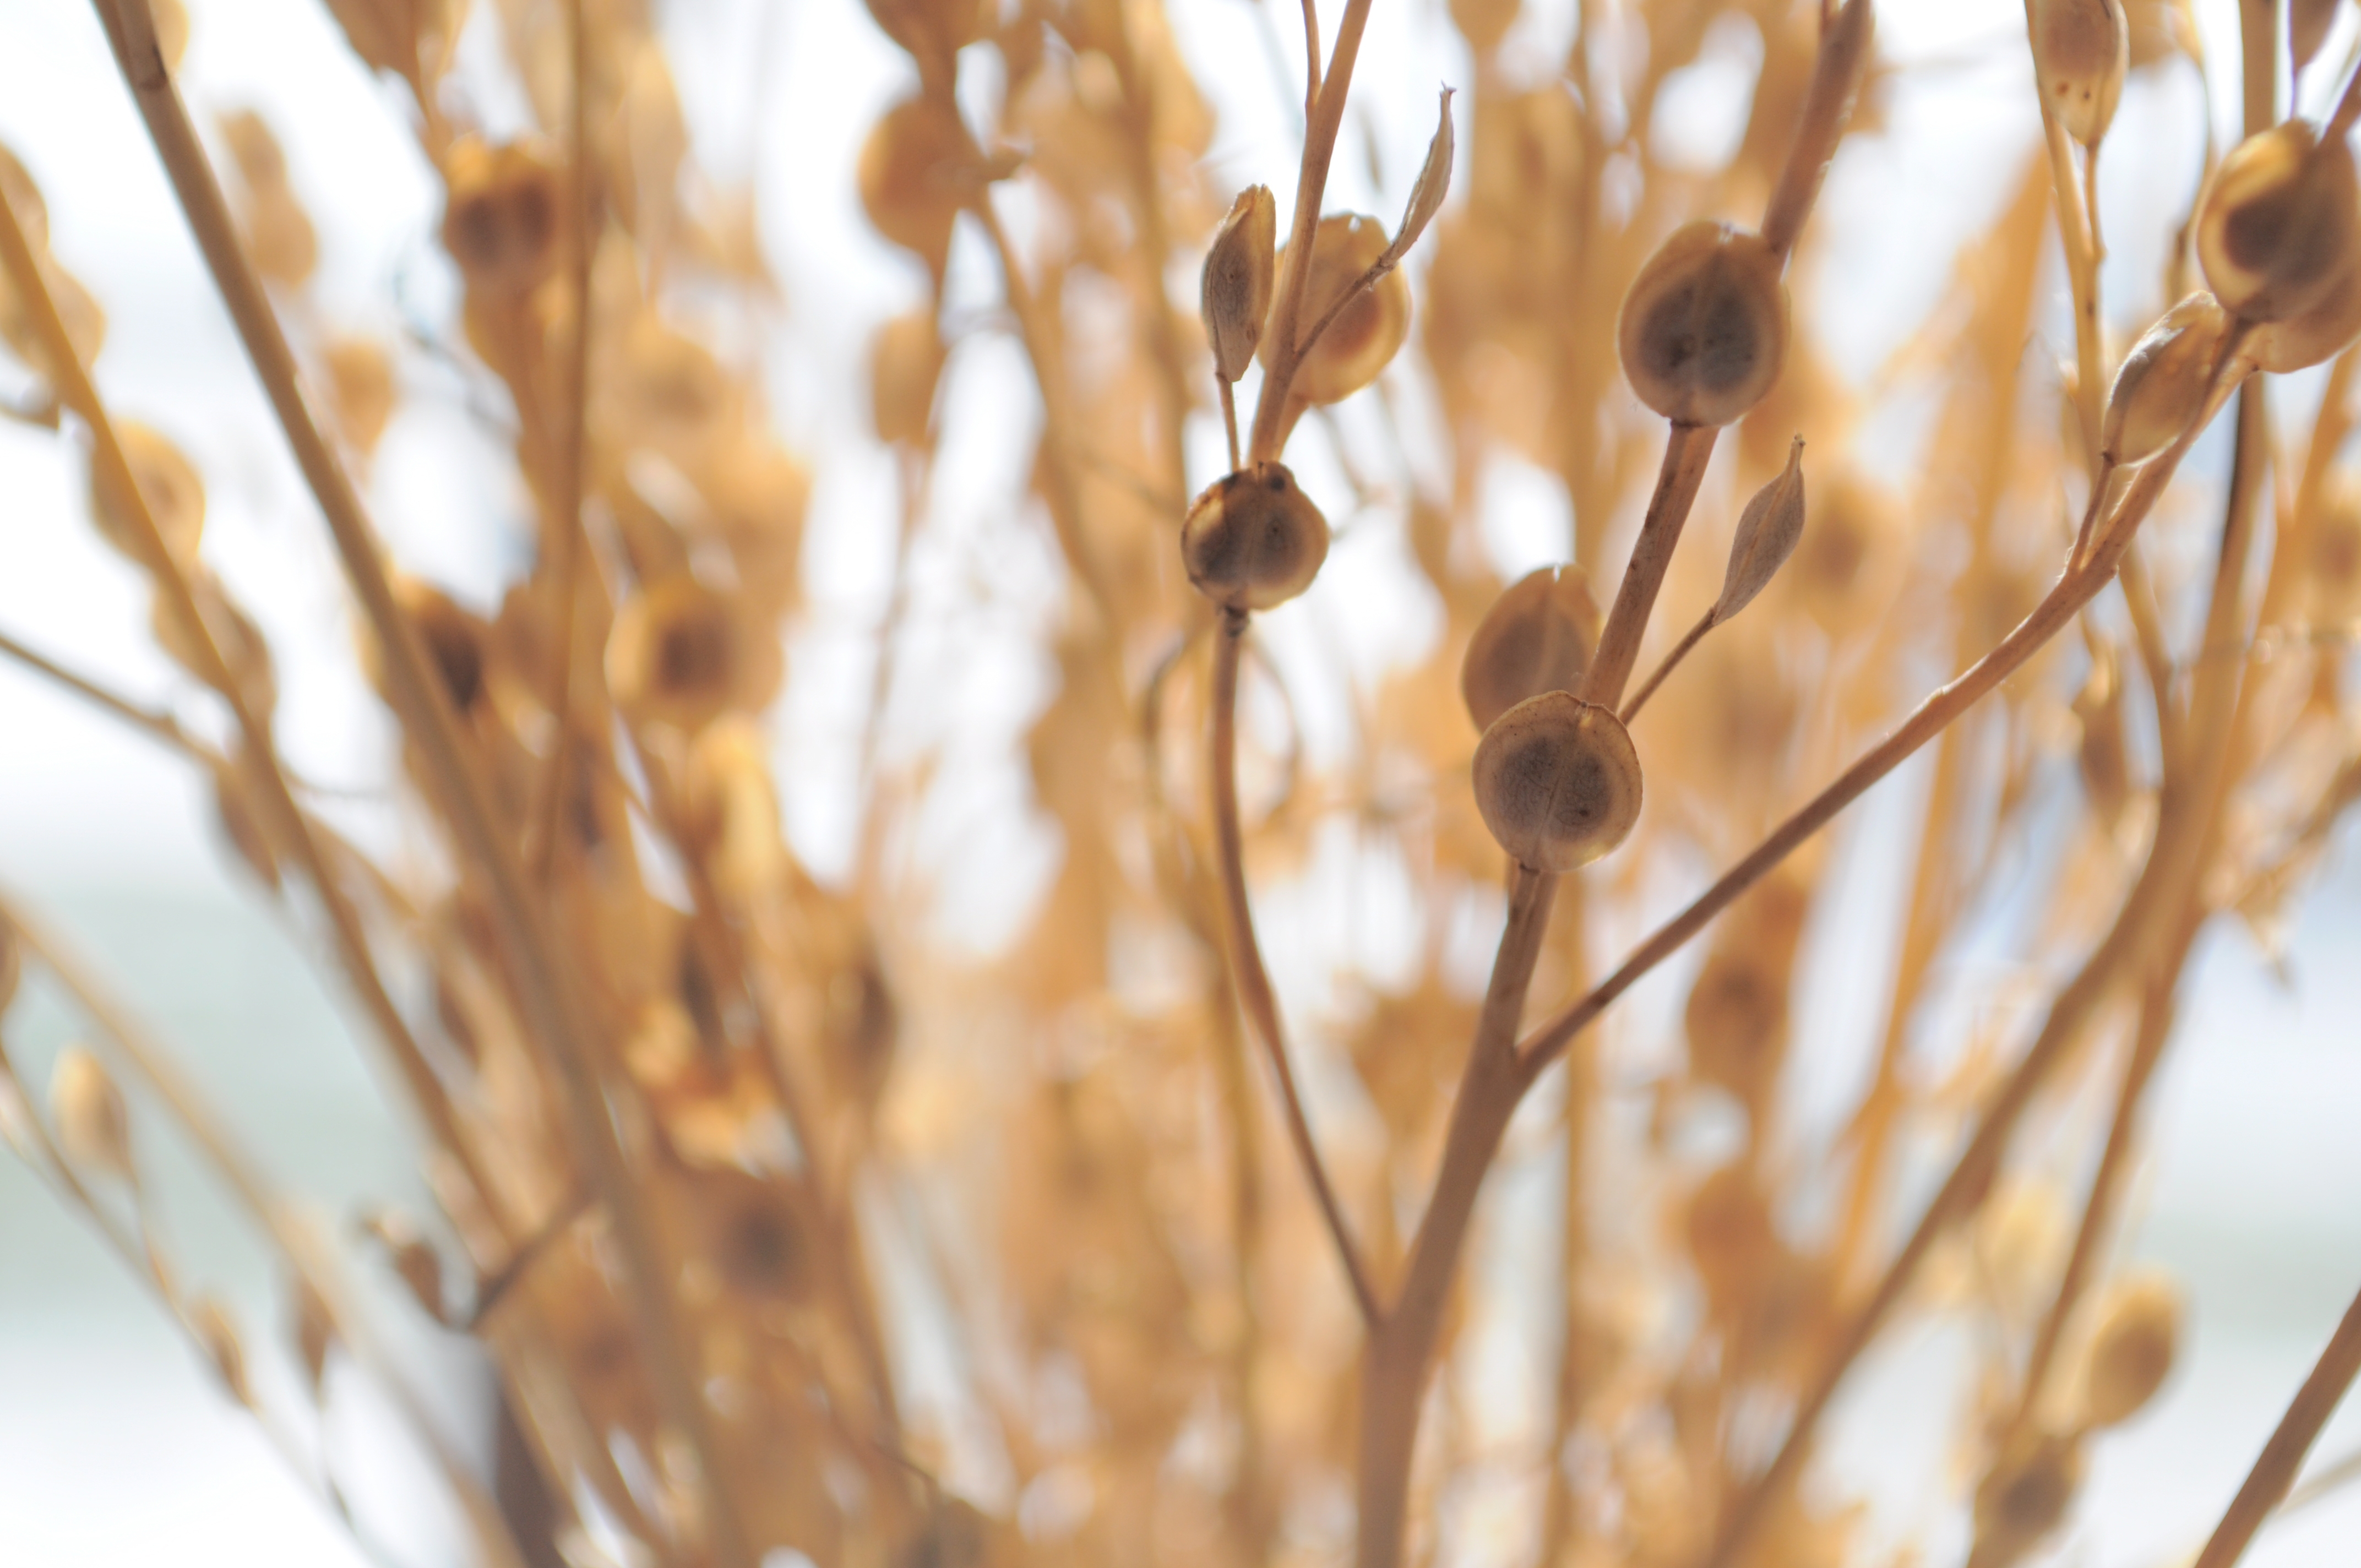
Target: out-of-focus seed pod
{"x":755,"y":1235}
{"x":731,"y":806}
{"x":456,"y":641}
{"x":929,"y":31}
{"x":2331,"y":557}
{"x":1363,"y":338}
{"x":1767,"y":532}
{"x":1483,"y":23}
{"x":2314,"y":336}
{"x":677,"y":655}
{"x":914,"y":177}
{"x":412,"y":1255}
{"x":360,"y":388}
{"x":210,"y":1322}
{"x":171,"y":18}
{"x":1537,"y":637}
{"x":2309,"y":22}
{"x":2161,"y":386}
{"x":1703,"y":328}
{"x":233,"y":809}
{"x":1253,"y":540}
{"x":1235,"y":288}
{"x":239,"y":641}
{"x":392,"y":35}
{"x":168,"y":482}
{"x":501,"y":224}
{"x":316,"y":1331}
{"x":2278,"y":226}
{"x":261,"y":162}
{"x":2080,"y":51}
{"x":2023,"y":1497}
{"x":1731,"y":1239}
{"x":906,"y":362}
{"x":93,"y":1124}
{"x":1736,"y":1019}
{"x":2138,"y":1341}
{"x":32,"y":214}
{"x":1557,"y":782}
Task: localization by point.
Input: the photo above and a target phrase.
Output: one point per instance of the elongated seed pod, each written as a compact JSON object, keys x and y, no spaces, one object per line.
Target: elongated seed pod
{"x":2161,"y":386}
{"x":1253,"y":540}
{"x":1537,"y":637}
{"x":2081,"y":50}
{"x":1235,"y":288}
{"x":2138,"y":1341}
{"x":1557,"y":782}
{"x":2278,"y":226}
{"x":1768,"y":531}
{"x":1703,"y":328}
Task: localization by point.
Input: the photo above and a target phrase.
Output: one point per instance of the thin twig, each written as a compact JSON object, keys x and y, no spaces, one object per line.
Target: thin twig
{"x":160,"y":727}
{"x":1665,"y":666}
{"x":2275,"y":1468}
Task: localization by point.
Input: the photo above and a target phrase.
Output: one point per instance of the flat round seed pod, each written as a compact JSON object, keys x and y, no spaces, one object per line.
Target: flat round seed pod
{"x":1557,"y":782}
{"x":2139,"y":1340}
{"x":501,"y":225}
{"x":1703,"y":328}
{"x":1368,"y":332}
{"x":1253,"y":540}
{"x":1536,"y":638}
{"x":911,"y":171}
{"x":2278,"y":227}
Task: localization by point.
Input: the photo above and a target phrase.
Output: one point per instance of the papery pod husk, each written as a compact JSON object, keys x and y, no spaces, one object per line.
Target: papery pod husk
{"x":2278,"y":224}
{"x":167,"y":483}
{"x":682,"y":654}
{"x":917,"y":168}
{"x":2133,"y":1350}
{"x":2024,"y":1497}
{"x":405,"y":37}
{"x":1703,"y":329}
{"x":1366,"y":333}
{"x":240,"y":642}
{"x":1557,"y":782}
{"x":1235,"y":286}
{"x":1537,"y":637}
{"x":2316,"y":335}
{"x":1768,"y":531}
{"x":504,"y":216}
{"x":93,"y":1124}
{"x":2160,"y":387}
{"x":2081,"y":50}
{"x":1252,"y":540}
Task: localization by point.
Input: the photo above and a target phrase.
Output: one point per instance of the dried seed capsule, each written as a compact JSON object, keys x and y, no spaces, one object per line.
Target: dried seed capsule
{"x":677,"y":654}
{"x":167,"y":481}
{"x":2081,"y":50}
{"x":1253,"y":540}
{"x":754,"y":1234}
{"x":2316,"y":335}
{"x":1703,"y":328}
{"x":1767,"y":532}
{"x":360,"y":388}
{"x":1236,"y":284}
{"x":1557,"y":782}
{"x":501,"y":223}
{"x":2139,"y":1339}
{"x":2023,"y":1497}
{"x":1536,"y":638}
{"x":911,"y":176}
{"x":2161,"y":387}
{"x":93,"y":1124}
{"x":1366,"y":332}
{"x":2278,"y":226}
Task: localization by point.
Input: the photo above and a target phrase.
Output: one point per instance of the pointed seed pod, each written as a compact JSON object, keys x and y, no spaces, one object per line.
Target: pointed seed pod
{"x":2139,"y":1339}
{"x":1557,"y":782}
{"x":1767,"y":534}
{"x":2080,"y":51}
{"x":2161,"y":387}
{"x":501,"y":223}
{"x":1235,"y":288}
{"x":93,"y":1124}
{"x":1425,"y":196}
{"x":1537,"y":637}
{"x":209,"y":1321}
{"x":1363,"y":338}
{"x":1703,"y":328}
{"x":1253,"y":540}
{"x":2279,"y":225}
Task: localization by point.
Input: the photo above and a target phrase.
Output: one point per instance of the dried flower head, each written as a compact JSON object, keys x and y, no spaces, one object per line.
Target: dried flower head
{"x":1235,"y":288}
{"x":501,"y":224}
{"x":1557,"y":782}
{"x":2160,"y":388}
{"x":1363,"y":338}
{"x":1253,"y":540}
{"x":1537,"y":637}
{"x":2278,"y":226}
{"x":1704,"y":326}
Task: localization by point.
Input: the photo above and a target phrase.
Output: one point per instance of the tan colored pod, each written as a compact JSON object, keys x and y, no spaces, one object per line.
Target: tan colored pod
{"x":677,"y":654}
{"x":1557,"y":782}
{"x":2278,"y":226}
{"x":1253,"y":540}
{"x":906,"y":365}
{"x":1537,"y":637}
{"x":2080,"y":51}
{"x":2132,"y":1353}
{"x":167,"y":481}
{"x":501,"y":223}
{"x":912,"y":184}
{"x":2161,"y":386}
{"x":2314,"y":336}
{"x":92,"y":1124}
{"x":1236,"y":287}
{"x":1704,"y":327}
{"x":2025,"y":1496}
{"x":1366,"y":332}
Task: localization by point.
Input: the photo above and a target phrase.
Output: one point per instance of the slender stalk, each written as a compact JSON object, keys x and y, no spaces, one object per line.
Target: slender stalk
{"x":551,"y":1005}
{"x":1665,"y":666}
{"x":1253,"y":982}
{"x":2275,"y":1468}
{"x":158,"y":726}
{"x":1687,"y":449}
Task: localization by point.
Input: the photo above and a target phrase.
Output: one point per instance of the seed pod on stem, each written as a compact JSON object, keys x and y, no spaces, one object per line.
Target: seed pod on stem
{"x":2161,"y":386}
{"x":914,"y":173}
{"x":2313,"y":336}
{"x":1557,"y":782}
{"x":1536,"y":638}
{"x":2023,"y":1497}
{"x":1704,"y":327}
{"x":2309,"y":22}
{"x":1767,"y":534}
{"x":209,"y":1321}
{"x":1239,"y":266}
{"x":1253,"y":540}
{"x":501,"y":225}
{"x":1365,"y":333}
{"x":2080,"y":51}
{"x":2278,"y":226}
{"x":2138,"y":1341}
{"x":93,"y":1125}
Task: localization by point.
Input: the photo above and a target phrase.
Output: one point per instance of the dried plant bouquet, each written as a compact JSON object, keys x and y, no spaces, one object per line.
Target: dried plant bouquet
{"x":789,"y":1225}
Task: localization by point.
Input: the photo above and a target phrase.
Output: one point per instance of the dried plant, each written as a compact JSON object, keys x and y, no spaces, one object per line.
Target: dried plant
{"x":1193,"y":1240}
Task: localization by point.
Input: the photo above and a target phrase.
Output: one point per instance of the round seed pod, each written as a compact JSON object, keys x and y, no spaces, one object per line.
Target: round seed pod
{"x":2161,"y":387}
{"x":1703,"y":328}
{"x":2277,"y":229}
{"x":2025,"y":1496}
{"x":2312,"y":337}
{"x":677,"y":655}
{"x":500,"y":225}
{"x":2080,"y":50}
{"x":1253,"y":540}
{"x":167,"y":483}
{"x":1557,"y":782}
{"x":1365,"y":334}
{"x":1536,"y":638}
{"x":2139,"y":1339}
{"x":909,"y":177}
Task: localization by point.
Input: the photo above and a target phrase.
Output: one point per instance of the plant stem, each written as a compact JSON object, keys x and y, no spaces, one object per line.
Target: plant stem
{"x":1253,"y":982}
{"x":551,"y":1005}
{"x":160,"y":727}
{"x":1665,"y":666}
{"x":2275,"y":1468}
{"x":1687,"y":449}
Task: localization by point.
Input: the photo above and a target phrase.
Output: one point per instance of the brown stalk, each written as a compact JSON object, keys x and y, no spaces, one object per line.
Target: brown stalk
{"x":1687,"y":449}
{"x":1665,"y":666}
{"x":158,"y":726}
{"x":551,"y":1006}
{"x":2275,"y":1468}
{"x":1252,"y":981}
{"x":287,"y":823}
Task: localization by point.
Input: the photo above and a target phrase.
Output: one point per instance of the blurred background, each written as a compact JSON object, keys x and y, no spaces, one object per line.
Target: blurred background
{"x":115,"y":1448}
